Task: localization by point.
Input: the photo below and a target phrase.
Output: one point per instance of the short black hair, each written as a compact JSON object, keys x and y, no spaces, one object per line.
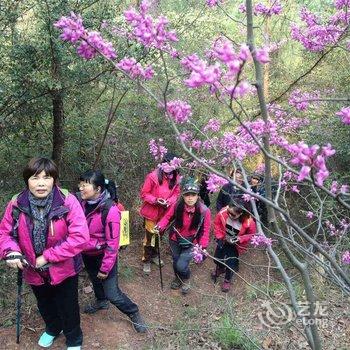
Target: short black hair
{"x":37,"y":165}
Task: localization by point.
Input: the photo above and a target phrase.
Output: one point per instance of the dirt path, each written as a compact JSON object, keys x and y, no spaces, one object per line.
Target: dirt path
{"x":110,"y":329}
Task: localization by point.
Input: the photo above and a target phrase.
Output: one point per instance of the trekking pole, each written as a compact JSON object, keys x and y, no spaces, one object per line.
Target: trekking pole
{"x":19,"y":289}
{"x":19,"y":303}
{"x":159,"y":263}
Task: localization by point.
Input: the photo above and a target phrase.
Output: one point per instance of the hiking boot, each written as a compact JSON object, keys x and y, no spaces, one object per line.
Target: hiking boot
{"x":138,"y":323}
{"x":176,"y":283}
{"x":155,"y":261}
{"x":185,"y":288}
{"x":226,"y":286}
{"x":97,"y":305}
{"x":216,"y":273}
{"x":146,"y":268}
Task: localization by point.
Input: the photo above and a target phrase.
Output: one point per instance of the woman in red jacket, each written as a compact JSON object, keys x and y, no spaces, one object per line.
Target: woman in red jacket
{"x":233,"y":229}
{"x":160,"y":190}
{"x":189,"y":221}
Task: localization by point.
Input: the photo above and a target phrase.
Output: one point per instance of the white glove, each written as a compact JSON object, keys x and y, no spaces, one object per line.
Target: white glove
{"x":14,"y":263}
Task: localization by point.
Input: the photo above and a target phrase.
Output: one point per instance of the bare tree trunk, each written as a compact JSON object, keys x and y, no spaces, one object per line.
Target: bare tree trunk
{"x":262,"y":103}
{"x":57,"y":96}
{"x":57,"y":128}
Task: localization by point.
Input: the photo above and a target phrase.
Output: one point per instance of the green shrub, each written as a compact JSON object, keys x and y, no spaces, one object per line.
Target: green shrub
{"x":231,"y":337}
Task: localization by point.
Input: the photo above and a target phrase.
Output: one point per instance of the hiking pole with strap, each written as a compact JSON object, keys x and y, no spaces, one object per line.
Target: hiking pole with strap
{"x":19,"y":288}
{"x":19,"y":295}
{"x":19,"y":303}
{"x":159,"y":264}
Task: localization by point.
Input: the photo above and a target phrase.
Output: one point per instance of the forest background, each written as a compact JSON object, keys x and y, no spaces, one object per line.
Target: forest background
{"x":84,"y":114}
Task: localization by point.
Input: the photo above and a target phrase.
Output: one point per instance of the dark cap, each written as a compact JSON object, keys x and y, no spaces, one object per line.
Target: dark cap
{"x":190,"y":186}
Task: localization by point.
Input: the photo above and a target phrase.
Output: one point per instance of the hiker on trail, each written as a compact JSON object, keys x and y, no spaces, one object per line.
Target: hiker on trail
{"x":189,"y":221}
{"x":203,"y":189}
{"x":229,"y":191}
{"x":233,"y":229}
{"x":256,"y":184}
{"x":43,"y":232}
{"x":101,"y":253}
{"x":160,"y":190}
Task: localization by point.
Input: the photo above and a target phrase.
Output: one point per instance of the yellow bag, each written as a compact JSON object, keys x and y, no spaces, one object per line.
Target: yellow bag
{"x":124,"y":238}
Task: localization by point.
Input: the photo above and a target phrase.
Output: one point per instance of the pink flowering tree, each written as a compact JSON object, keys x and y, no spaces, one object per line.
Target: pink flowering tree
{"x":230,"y":74}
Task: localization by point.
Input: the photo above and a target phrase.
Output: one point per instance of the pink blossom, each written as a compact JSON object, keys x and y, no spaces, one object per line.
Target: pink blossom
{"x":341,"y":3}
{"x":215,"y":182}
{"x":203,"y":74}
{"x":327,"y":151}
{"x":295,"y":189}
{"x":213,"y":3}
{"x":275,"y":9}
{"x":304,"y":172}
{"x":158,"y":150}
{"x":344,"y":188}
{"x":72,"y":27}
{"x":86,"y":51}
{"x":260,"y":240}
{"x":344,"y":114}
{"x":262,"y":55}
{"x":223,"y":50}
{"x":346,"y":257}
{"x":310,"y":215}
{"x":247,"y":197}
{"x":261,"y":9}
{"x":197,"y":253}
{"x":311,"y":157}
{"x":315,"y":35}
{"x":148,"y":31}
{"x":185,"y":137}
{"x":242,"y":8}
{"x":302,"y":100}
{"x":213,"y":125}
{"x":174,"y":164}
{"x":196,"y":144}
{"x":104,"y":47}
{"x":180,"y":111}
{"x":91,"y":42}
{"x":244,"y":52}
{"x":334,"y":187}
{"x":321,"y":176}
{"x":135,"y":69}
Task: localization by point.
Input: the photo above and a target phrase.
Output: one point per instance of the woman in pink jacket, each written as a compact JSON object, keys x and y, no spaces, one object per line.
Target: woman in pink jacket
{"x":160,"y":190}
{"x":43,"y":232}
{"x":100,"y":256}
{"x":233,"y":229}
{"x":189,"y":224}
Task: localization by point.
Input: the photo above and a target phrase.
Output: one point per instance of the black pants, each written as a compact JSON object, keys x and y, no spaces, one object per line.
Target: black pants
{"x":228,"y":254}
{"x":59,"y":307}
{"x":108,"y":289}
